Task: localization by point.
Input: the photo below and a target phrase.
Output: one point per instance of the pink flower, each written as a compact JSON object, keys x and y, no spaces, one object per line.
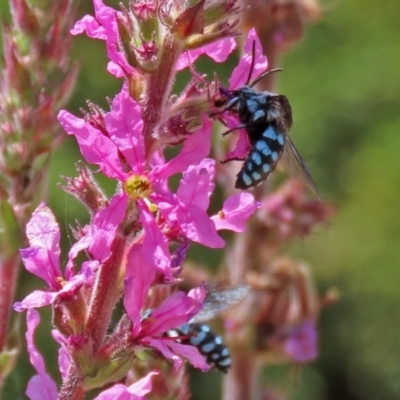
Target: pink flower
{"x":172,"y":312}
{"x":42,"y":257}
{"x":104,"y":27}
{"x":119,"y":152}
{"x":301,"y":343}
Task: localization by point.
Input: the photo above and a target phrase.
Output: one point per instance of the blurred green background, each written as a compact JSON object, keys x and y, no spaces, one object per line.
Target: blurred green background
{"x":343,"y":82}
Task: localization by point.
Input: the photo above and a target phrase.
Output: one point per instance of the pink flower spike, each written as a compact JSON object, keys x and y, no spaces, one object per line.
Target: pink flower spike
{"x":218,"y":51}
{"x":136,"y":391}
{"x":42,"y":257}
{"x":236,"y":211}
{"x":41,"y":386}
{"x":95,"y":147}
{"x":240,"y":73}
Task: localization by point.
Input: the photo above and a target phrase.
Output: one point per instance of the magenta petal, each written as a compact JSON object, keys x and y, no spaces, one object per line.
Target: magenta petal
{"x":240,"y":73}
{"x":41,"y":386}
{"x":142,"y":386}
{"x":115,"y":69}
{"x":104,"y":26}
{"x":64,"y":360}
{"x":136,"y":391}
{"x":196,"y":225}
{"x":163,"y":348}
{"x":124,"y":125}
{"x":95,"y":147}
{"x":191,"y":354}
{"x":155,"y":248}
{"x":107,"y":17}
{"x":194,"y":149}
{"x":116,"y":392}
{"x":89,"y":25}
{"x":105,"y":225}
{"x":301,"y":345}
{"x":36,"y":299}
{"x":197,"y":184}
{"x":42,"y":257}
{"x":139,"y":276}
{"x":172,"y":312}
{"x":241,"y":148}
{"x":236,"y":211}
{"x":218,"y":51}
{"x":82,"y":244}
{"x":198,"y":294}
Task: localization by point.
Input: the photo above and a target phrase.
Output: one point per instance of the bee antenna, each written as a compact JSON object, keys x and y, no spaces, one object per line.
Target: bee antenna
{"x":264,"y":74}
{"x":253,"y":60}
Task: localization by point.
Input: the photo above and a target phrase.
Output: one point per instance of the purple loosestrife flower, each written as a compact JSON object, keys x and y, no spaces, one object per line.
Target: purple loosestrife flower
{"x":42,"y":258}
{"x":118,"y":149}
{"x":301,"y":343}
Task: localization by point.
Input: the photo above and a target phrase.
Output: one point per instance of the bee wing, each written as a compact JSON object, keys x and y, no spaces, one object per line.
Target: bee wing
{"x":294,"y":164}
{"x":217,"y":301}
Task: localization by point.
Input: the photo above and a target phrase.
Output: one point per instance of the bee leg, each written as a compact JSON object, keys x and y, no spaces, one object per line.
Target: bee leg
{"x":229,"y":106}
{"x":236,"y":128}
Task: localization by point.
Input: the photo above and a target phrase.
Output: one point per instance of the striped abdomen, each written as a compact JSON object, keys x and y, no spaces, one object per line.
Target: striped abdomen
{"x":262,"y":158}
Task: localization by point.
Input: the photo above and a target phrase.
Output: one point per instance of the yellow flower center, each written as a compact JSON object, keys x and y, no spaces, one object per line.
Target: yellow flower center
{"x":139,"y":187}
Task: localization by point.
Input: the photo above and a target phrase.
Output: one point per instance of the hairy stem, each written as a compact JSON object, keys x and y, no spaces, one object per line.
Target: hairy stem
{"x":105,"y":294}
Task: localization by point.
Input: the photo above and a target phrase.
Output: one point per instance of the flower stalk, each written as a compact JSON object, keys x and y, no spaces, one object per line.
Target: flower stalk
{"x":36,"y":81}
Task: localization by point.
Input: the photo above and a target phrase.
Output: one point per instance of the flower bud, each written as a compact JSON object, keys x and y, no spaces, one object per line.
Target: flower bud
{"x":85,"y":189}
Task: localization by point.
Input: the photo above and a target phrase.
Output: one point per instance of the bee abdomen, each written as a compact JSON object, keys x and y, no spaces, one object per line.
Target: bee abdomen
{"x":262,"y":159}
{"x":209,"y":344}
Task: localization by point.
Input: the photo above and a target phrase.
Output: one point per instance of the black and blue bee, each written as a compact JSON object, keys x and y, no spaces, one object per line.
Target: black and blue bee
{"x":267,"y":119}
{"x":200,"y":335}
